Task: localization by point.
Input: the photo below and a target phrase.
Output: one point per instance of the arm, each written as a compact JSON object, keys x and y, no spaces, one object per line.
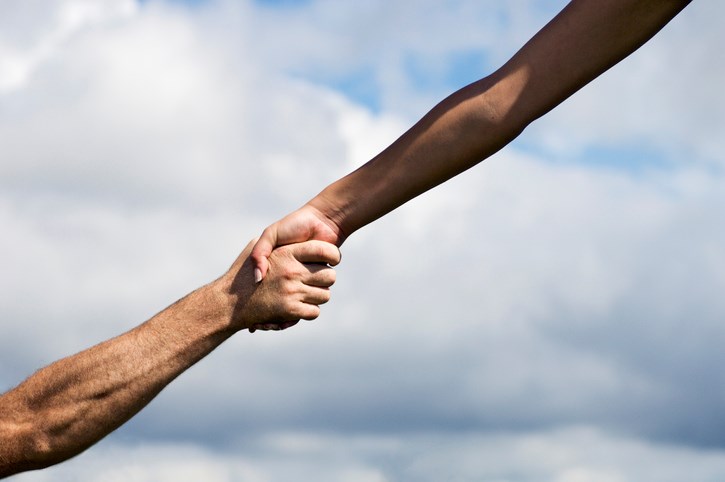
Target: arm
{"x":68,"y":406}
{"x":580,"y":43}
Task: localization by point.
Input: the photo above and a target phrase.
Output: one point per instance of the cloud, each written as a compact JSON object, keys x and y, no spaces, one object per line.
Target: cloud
{"x":33,"y":32}
{"x":567,"y":312}
{"x":568,"y":455}
{"x":477,"y":324}
{"x":349,"y":45}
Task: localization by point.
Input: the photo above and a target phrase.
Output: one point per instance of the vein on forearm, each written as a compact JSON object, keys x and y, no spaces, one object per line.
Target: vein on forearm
{"x":66,"y":407}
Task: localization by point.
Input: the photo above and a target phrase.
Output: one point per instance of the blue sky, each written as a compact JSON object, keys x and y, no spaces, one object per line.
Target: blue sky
{"x":555,"y":313}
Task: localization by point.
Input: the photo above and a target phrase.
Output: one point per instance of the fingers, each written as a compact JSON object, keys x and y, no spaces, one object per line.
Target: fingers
{"x":305,"y":311}
{"x":307,"y":223}
{"x":305,"y":308}
{"x":305,"y":275}
{"x":316,"y":252}
{"x":261,"y":252}
{"x":314,"y":295}
{"x":273,"y":326}
{"x":319,"y":275}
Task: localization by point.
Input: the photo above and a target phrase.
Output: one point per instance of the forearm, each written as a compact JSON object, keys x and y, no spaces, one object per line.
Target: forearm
{"x":66,"y":407}
{"x":583,"y":41}
{"x":455,"y":135}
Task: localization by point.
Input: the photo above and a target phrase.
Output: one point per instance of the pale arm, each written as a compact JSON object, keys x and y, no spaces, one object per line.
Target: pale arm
{"x":580,"y":43}
{"x":66,"y":407}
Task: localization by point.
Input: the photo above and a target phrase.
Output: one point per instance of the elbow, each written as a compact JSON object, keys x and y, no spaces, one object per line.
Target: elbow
{"x":497,"y":106}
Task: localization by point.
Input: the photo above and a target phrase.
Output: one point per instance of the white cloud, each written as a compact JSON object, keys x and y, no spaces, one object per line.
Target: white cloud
{"x":144,"y":148}
{"x":378,"y":39}
{"x":32,"y":32}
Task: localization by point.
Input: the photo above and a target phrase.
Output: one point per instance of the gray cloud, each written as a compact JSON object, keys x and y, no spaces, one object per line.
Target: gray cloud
{"x":567,"y":313}
{"x":569,"y":455}
{"x":494,"y":313}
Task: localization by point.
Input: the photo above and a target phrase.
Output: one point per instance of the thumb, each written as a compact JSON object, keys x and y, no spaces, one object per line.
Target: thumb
{"x":261,"y":252}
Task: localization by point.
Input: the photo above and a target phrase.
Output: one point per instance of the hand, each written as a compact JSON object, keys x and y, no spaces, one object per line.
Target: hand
{"x":307,"y":223}
{"x":297,"y":282}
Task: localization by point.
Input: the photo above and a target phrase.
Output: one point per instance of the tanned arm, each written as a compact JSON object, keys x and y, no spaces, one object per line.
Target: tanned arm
{"x":580,"y":43}
{"x":68,"y":406}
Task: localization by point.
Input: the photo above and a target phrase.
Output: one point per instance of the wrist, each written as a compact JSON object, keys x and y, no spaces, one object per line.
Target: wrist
{"x":332,"y":209}
{"x":362,"y":196}
{"x":216,"y":303}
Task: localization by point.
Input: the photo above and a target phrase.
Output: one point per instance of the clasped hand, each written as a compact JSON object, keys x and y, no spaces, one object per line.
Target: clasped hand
{"x":297,"y":282}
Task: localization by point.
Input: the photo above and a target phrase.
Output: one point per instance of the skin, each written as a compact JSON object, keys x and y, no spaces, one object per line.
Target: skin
{"x":584,"y":40}
{"x":71,"y":404}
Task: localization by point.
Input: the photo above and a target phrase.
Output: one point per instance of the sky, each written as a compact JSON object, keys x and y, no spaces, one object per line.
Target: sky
{"x":553,"y":314}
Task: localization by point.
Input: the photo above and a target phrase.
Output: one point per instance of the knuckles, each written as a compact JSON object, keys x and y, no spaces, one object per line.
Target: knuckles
{"x":310,"y":312}
{"x":285,"y":293}
{"x":328,"y":253}
{"x":325,"y":297}
{"x":329,"y":277}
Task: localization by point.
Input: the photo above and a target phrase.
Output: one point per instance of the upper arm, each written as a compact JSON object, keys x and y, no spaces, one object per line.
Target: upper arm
{"x":584,"y":40}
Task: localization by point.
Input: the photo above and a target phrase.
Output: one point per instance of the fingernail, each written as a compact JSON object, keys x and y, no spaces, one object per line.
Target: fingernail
{"x":257,"y":275}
